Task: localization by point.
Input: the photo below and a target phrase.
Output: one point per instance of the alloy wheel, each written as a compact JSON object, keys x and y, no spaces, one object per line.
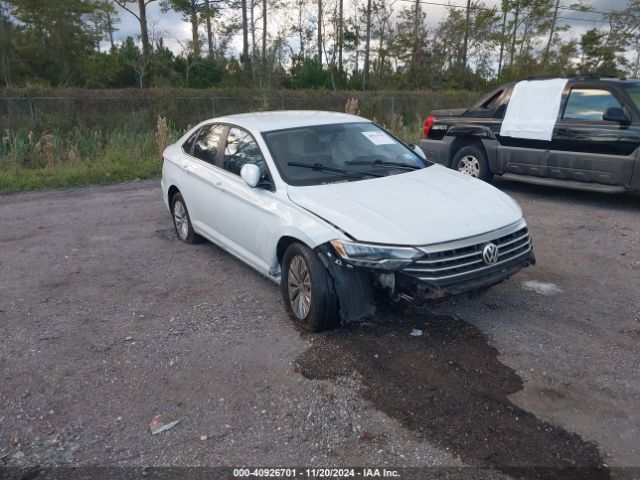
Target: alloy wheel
{"x":299,"y":282}
{"x":181,"y":219}
{"x":469,"y":165}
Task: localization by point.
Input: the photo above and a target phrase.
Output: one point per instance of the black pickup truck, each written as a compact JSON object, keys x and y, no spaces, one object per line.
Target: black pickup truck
{"x":594,"y":145}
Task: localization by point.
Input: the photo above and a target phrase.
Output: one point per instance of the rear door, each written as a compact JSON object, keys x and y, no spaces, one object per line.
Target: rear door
{"x":245,"y":217}
{"x":202,"y":177}
{"x":587,"y":148}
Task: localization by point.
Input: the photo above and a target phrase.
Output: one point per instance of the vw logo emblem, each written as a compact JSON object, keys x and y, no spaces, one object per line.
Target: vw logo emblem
{"x":490,"y":253}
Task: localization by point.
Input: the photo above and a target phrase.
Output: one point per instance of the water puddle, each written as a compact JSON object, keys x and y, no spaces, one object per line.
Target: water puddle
{"x":448,"y":385}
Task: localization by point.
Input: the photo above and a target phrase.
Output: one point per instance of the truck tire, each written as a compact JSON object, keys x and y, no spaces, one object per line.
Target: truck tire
{"x":472,"y":160}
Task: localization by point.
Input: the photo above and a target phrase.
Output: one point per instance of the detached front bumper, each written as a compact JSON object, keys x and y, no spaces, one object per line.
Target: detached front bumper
{"x":422,"y":290}
{"x":450,"y":268}
{"x":470,"y":264}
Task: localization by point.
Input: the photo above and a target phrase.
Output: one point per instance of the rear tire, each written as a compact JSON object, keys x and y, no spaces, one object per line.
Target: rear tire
{"x":472,"y":160}
{"x":307,"y":290}
{"x":182,"y":220}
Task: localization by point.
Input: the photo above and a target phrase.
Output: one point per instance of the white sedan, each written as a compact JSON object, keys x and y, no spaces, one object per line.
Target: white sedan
{"x":339,"y":212}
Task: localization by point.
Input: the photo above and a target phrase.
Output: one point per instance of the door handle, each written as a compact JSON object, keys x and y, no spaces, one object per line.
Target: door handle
{"x":219,"y":185}
{"x":565,"y":131}
{"x":186,"y":168}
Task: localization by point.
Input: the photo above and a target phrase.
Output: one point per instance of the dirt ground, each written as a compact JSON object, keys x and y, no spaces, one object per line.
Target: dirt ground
{"x":107,"y":321}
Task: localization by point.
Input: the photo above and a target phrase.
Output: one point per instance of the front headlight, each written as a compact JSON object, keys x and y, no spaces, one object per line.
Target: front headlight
{"x":375,"y":256}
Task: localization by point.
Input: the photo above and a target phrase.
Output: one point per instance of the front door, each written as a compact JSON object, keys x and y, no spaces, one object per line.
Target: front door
{"x":587,"y":148}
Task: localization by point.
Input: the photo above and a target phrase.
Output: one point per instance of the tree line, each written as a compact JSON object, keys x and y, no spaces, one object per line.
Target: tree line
{"x":333,"y":44}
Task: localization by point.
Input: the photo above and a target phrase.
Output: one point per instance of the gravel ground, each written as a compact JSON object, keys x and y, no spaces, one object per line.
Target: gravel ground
{"x":109,"y":321}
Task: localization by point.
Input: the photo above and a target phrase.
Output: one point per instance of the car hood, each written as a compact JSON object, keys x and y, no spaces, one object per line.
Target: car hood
{"x":423,"y":207}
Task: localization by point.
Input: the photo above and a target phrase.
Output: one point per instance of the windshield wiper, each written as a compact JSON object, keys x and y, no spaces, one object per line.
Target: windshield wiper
{"x":318,"y":167}
{"x":384,"y":163}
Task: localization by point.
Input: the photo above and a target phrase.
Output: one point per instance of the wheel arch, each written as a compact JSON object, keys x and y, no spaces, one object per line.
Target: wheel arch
{"x":171,"y":193}
{"x":283,"y":243}
{"x":316,"y":232}
{"x":469,"y":135}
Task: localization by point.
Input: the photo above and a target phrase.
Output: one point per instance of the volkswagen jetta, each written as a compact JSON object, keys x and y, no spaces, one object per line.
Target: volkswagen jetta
{"x":339,"y":212}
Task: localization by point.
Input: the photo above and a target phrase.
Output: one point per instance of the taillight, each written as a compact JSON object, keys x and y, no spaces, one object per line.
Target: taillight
{"x":427,"y":125}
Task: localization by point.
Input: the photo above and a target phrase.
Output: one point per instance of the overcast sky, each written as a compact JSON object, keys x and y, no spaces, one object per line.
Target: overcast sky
{"x":174,"y":30}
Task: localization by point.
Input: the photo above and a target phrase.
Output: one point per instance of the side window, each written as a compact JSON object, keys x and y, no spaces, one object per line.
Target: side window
{"x":188,"y":145}
{"x":487,"y":107}
{"x":588,"y":104}
{"x":492,"y":103}
{"x":242,"y":149}
{"x":206,"y":146}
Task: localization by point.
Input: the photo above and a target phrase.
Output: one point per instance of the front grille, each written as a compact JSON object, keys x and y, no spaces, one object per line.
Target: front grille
{"x":450,"y":262}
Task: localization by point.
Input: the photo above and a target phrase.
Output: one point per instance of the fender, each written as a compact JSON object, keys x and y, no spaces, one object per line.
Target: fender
{"x":459,"y":135}
{"x":634,"y":185}
{"x":471,"y":130}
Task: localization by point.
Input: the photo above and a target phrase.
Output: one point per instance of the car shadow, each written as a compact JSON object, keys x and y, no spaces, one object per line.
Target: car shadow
{"x":617,"y":201}
{"x":445,"y":383}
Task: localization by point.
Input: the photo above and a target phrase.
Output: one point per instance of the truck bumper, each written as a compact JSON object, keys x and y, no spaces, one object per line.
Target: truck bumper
{"x":437,"y":151}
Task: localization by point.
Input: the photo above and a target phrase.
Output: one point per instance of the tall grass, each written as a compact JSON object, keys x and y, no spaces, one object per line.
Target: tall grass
{"x":64,"y":138}
{"x":56,"y":159}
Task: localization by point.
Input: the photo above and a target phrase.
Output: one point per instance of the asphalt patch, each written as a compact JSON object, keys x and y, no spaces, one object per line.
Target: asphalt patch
{"x":448,"y":386}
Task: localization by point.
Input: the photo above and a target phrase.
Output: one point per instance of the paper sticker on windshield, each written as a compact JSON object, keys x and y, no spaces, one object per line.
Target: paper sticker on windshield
{"x":379,"y":138}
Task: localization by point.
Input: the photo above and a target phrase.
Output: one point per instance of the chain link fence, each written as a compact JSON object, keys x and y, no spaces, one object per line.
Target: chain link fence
{"x":139,"y":113}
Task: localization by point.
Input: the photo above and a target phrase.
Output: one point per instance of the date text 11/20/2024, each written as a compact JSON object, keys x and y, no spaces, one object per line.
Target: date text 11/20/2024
{"x":315,"y":473}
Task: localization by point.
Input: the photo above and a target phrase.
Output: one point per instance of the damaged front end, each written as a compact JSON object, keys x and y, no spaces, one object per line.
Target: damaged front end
{"x":366,"y":274}
{"x":362,"y":272}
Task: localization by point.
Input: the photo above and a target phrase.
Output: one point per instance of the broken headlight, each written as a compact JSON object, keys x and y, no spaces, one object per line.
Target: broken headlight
{"x":375,"y":256}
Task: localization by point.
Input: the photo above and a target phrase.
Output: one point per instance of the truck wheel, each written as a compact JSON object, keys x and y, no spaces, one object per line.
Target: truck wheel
{"x":472,"y":160}
{"x":306,"y":289}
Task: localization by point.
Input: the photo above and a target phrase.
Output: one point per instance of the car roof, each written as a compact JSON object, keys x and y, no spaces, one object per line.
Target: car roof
{"x":278,"y":120}
{"x":587,"y":79}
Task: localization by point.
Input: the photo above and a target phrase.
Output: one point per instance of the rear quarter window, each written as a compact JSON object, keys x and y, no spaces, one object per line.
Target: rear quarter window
{"x":488,"y":107}
{"x":188,"y":145}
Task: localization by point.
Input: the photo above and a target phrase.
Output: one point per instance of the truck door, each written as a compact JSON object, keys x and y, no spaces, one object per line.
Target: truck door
{"x":521,"y":156}
{"x":587,"y":148}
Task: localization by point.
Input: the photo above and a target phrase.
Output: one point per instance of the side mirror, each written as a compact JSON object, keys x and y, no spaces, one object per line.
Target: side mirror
{"x":419,"y":152}
{"x":250,"y":173}
{"x":615,"y":114}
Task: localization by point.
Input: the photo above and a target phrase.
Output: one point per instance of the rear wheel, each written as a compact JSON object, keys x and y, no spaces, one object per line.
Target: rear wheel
{"x":182,"y":220}
{"x":306,"y":289}
{"x":472,"y":160}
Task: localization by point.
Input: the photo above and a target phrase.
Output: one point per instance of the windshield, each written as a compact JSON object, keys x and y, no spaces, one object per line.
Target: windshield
{"x":634,"y":92}
{"x":341,"y":152}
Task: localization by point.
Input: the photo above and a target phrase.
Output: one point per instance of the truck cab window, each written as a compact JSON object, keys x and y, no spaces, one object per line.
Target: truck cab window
{"x":588,"y":104}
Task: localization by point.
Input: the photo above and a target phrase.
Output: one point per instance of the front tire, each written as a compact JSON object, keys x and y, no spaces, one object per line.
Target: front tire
{"x":182,"y":220}
{"x":472,"y":160}
{"x":306,"y":289}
